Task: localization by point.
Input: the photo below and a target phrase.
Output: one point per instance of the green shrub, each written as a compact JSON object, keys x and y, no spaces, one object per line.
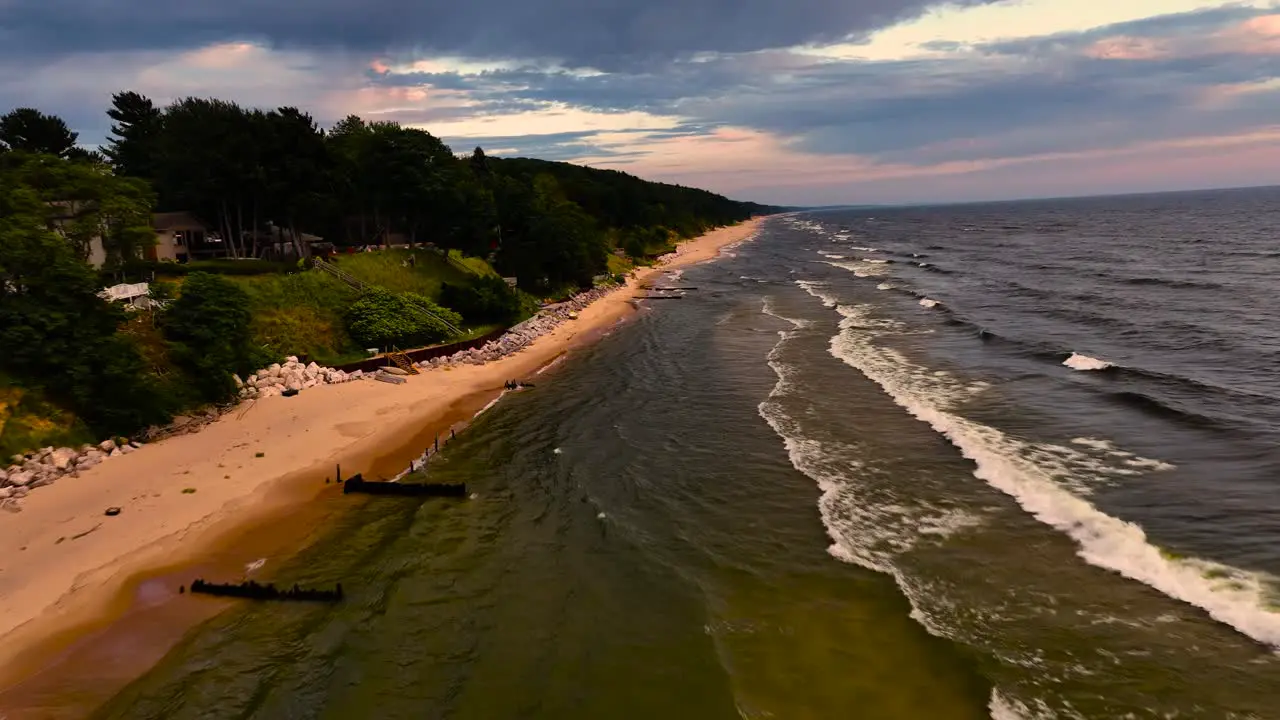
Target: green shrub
{"x":486,"y":300}
{"x":210,"y":330}
{"x":381,"y":319}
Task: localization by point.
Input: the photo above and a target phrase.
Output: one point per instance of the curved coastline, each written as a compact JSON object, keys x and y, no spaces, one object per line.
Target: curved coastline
{"x":67,"y":572}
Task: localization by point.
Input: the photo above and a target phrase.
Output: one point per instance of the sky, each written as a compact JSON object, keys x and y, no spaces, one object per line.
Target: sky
{"x":796,"y":102}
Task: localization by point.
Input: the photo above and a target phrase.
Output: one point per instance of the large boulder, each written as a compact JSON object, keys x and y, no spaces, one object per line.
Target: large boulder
{"x":274,"y":370}
{"x":62,"y":457}
{"x":107,"y":446}
{"x":21,"y":479}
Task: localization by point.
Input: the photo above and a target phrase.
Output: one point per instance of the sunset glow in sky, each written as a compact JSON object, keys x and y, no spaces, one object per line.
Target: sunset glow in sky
{"x":781,"y":101}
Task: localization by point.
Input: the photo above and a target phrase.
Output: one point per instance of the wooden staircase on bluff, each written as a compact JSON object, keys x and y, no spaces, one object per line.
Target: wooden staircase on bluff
{"x":403,"y":362}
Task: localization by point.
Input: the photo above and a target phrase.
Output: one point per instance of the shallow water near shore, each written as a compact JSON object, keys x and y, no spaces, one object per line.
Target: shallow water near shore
{"x":802,"y":492}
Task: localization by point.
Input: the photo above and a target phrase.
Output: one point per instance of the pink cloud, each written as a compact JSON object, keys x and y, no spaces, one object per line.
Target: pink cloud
{"x":1256,"y":36}
{"x":1130,"y":48}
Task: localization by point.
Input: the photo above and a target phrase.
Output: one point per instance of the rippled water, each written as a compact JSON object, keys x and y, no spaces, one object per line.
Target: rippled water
{"x":1007,"y":460}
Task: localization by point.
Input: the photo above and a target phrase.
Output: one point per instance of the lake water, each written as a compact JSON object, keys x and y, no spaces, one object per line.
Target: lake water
{"x":1007,"y":460}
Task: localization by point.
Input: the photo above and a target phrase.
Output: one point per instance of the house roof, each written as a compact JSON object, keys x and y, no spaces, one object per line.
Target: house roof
{"x":181,"y":220}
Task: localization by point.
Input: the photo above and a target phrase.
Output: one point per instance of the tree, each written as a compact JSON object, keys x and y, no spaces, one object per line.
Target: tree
{"x":131,"y":148}
{"x":480,"y":163}
{"x":29,"y":130}
{"x":298,"y":184}
{"x":84,"y":201}
{"x":57,"y":334}
{"x":556,"y":241}
{"x":210,"y":328}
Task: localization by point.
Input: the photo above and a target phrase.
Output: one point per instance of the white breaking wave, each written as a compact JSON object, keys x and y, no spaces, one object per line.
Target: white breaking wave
{"x":492,"y":402}
{"x":1024,"y":471}
{"x":862,"y":269}
{"x":927,"y":302}
{"x":729,"y":250}
{"x":1003,"y":708}
{"x":886,"y":286}
{"x":815,"y":289}
{"x":1084,"y":362}
{"x":863,"y":533}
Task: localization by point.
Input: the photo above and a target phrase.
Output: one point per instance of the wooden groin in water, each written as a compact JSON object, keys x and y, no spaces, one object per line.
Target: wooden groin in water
{"x":357,"y":484}
{"x":251,"y":590}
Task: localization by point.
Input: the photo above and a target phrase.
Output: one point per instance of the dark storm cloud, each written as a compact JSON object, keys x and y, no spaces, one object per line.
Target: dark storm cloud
{"x":1009,"y":99}
{"x":608,"y":34}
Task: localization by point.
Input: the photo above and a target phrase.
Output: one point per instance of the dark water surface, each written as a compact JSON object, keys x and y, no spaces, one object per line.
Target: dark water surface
{"x":849,"y":477}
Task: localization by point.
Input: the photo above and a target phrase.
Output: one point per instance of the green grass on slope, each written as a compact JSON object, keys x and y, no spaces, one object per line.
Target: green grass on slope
{"x":304,"y":312}
{"x":477,"y":266}
{"x":28,"y":422}
{"x":388,"y":269}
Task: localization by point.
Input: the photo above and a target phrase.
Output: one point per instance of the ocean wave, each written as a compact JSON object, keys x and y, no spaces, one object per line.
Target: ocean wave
{"x":1238,"y":598}
{"x":863,"y":532}
{"x":1156,"y":407}
{"x":862,"y":269}
{"x":929,"y":303}
{"x":1170,"y":283}
{"x":1084,"y":362}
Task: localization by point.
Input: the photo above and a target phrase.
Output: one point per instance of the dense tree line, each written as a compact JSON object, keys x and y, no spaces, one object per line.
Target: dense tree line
{"x":255,"y":175}
{"x":362,"y":182}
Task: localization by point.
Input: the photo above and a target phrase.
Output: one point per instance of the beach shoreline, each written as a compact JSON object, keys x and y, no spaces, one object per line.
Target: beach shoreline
{"x":68,"y":571}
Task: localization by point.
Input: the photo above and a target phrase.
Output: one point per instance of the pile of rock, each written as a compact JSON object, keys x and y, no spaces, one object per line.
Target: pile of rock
{"x":184,"y":424}
{"x":44,"y":467}
{"x":292,"y":375}
{"x":520,"y":336}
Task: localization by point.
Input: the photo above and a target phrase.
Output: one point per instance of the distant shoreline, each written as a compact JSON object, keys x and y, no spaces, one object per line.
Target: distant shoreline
{"x":257,"y":475}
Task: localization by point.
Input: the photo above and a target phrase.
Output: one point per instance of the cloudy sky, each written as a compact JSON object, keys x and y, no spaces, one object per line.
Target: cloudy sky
{"x":784,"y":101}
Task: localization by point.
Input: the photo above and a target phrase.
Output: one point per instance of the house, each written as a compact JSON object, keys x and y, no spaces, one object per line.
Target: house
{"x":276,"y":243}
{"x":181,"y":236}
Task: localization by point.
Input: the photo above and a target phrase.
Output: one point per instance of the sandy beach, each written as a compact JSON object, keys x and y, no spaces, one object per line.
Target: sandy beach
{"x":64,"y":565}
